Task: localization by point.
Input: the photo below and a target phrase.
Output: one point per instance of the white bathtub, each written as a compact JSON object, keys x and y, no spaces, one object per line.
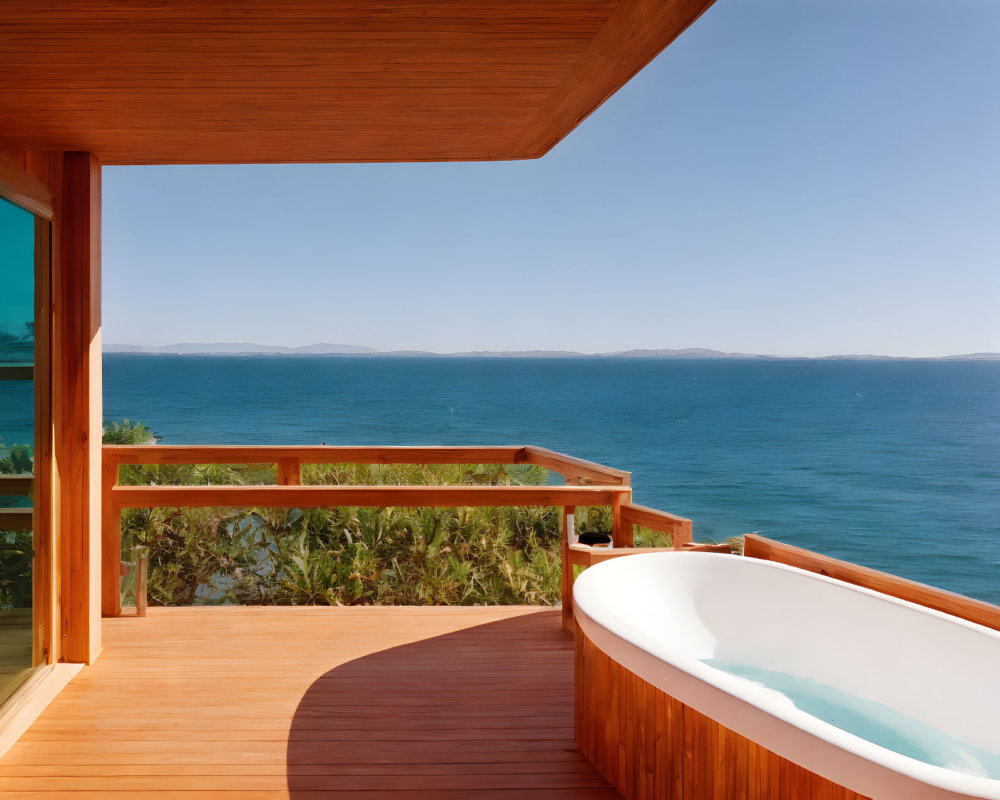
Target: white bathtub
{"x":714,"y":630}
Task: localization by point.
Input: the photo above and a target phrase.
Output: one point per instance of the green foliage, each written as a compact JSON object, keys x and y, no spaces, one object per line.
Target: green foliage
{"x":16,"y":547}
{"x":345,"y":556}
{"x":19,"y":460}
{"x":125,"y":432}
{"x":644,"y":537}
{"x":401,"y":556}
{"x":593,"y":519}
{"x":16,"y":550}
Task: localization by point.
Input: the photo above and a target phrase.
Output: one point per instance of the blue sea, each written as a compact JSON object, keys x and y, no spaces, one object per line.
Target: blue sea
{"x":891,"y":464}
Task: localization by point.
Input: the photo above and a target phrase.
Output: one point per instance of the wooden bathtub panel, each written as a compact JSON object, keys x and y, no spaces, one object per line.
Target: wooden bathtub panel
{"x":649,"y":745}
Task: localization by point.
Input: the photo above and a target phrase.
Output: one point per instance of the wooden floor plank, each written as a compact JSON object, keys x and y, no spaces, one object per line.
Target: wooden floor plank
{"x":302,"y":703}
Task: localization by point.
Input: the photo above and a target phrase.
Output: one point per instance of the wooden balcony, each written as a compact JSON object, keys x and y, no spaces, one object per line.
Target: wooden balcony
{"x":360,"y":701}
{"x":310,"y":702}
{"x":319,"y":701}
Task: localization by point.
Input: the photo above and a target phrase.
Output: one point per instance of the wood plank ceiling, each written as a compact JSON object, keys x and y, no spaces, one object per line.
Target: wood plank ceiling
{"x":261,"y":81}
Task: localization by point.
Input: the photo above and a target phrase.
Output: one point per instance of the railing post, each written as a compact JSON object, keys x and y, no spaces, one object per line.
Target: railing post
{"x":682,"y":534}
{"x":289,"y":472}
{"x":141,"y":586}
{"x":111,"y":541}
{"x":622,"y":534}
{"x":567,"y":568}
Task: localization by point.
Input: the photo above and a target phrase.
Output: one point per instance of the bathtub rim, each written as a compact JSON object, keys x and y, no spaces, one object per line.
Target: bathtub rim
{"x":757,"y":713}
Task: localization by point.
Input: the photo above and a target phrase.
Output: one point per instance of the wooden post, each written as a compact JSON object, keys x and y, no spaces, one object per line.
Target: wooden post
{"x":76,"y":405}
{"x":111,"y":542}
{"x":289,"y":472}
{"x":141,"y":591}
{"x":622,"y":533}
{"x":682,"y":534}
{"x":567,"y":569}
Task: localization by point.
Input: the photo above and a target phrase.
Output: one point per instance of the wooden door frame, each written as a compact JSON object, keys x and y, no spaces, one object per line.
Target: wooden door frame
{"x":63,"y":191}
{"x":28,"y":194}
{"x":44,"y":587}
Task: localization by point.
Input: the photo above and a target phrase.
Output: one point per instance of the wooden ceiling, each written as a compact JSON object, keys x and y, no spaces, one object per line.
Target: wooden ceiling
{"x":269,"y":81}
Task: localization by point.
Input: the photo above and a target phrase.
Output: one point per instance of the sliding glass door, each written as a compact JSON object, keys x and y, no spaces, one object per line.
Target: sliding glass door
{"x":17,"y":443}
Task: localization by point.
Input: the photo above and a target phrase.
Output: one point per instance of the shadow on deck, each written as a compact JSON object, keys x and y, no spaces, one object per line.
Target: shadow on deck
{"x":315,"y":702}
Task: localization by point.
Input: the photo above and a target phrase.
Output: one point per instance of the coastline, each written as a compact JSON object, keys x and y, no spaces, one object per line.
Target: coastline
{"x":543,"y":354}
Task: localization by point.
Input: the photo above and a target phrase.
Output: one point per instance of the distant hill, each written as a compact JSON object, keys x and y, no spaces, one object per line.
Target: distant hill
{"x":964,"y":357}
{"x":240,"y":348}
{"x":325,"y":349}
{"x":520,"y":354}
{"x":687,"y":352}
{"x":973,"y":357}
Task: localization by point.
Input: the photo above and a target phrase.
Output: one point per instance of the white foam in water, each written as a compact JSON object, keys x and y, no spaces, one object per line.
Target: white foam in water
{"x":875,"y":722}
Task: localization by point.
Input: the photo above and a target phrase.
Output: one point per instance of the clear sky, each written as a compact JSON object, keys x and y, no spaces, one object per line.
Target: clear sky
{"x":791,"y":176}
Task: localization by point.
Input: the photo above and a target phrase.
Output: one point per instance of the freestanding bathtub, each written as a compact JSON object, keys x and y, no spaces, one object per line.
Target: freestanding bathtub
{"x":708,"y":675}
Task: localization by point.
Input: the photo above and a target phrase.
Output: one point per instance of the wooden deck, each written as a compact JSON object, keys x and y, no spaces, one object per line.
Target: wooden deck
{"x":314,"y":702}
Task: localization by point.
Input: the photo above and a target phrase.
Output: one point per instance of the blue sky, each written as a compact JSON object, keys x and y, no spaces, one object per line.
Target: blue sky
{"x":791,"y":176}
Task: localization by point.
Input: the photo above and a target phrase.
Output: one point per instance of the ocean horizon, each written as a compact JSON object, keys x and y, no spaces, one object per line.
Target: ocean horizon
{"x":890,"y":464}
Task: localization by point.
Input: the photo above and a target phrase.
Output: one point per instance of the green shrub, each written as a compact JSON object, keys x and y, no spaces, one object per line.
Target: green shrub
{"x":16,"y":551}
{"x":125,"y":432}
{"x":19,"y":460}
{"x":402,"y":556}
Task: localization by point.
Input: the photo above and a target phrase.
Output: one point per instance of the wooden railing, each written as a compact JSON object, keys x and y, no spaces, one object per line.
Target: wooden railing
{"x":627,"y":516}
{"x":17,"y":372}
{"x":16,"y":519}
{"x":17,"y":485}
{"x":957,"y":605}
{"x":586,"y":484}
{"x":575,"y":470}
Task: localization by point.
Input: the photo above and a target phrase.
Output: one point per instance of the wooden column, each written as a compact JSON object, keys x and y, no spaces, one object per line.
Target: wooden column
{"x":76,"y":405}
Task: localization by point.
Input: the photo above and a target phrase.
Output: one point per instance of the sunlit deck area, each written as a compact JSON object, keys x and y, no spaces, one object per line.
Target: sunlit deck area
{"x":655,"y":668}
{"x":308,"y":702}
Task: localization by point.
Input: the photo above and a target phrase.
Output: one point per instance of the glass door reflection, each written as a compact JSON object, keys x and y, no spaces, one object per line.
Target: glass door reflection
{"x":17,"y":436}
